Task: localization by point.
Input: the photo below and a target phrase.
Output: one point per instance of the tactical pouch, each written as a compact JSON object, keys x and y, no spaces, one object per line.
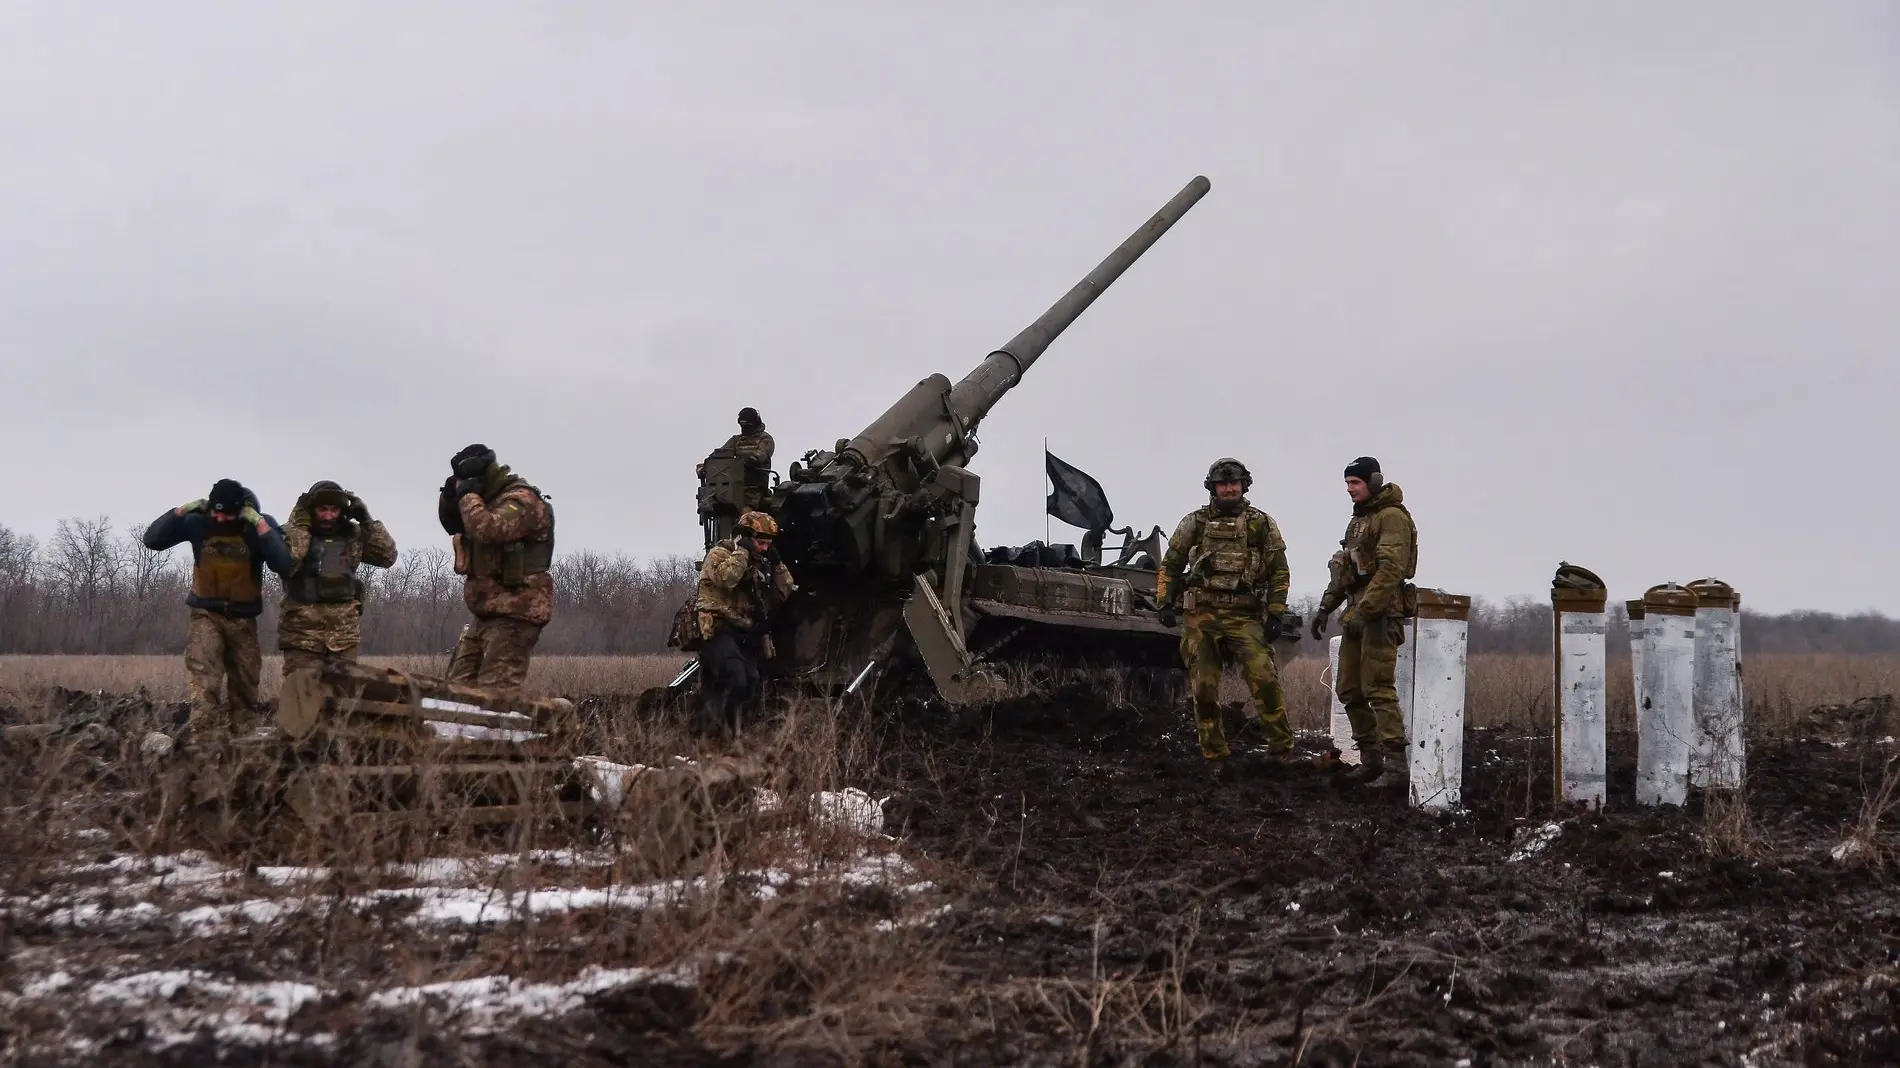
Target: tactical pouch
{"x":685,"y":633}
{"x":513,"y":569}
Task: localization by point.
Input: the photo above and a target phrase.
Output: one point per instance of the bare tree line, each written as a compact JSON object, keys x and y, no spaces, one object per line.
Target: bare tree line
{"x":91,"y":588}
{"x":94,"y":588}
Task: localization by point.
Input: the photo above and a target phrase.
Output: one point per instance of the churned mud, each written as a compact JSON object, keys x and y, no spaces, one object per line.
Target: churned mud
{"x":1100,"y":896}
{"x":1242,"y":916}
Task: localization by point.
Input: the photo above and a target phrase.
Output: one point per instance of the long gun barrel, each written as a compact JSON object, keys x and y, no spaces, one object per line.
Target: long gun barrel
{"x":1001,"y":370}
{"x":940,"y":417}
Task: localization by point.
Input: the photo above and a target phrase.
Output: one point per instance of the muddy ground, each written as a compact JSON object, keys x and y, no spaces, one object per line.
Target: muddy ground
{"x":1112,"y":899}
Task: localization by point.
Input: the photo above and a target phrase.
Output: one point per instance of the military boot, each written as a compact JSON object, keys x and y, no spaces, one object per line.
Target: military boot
{"x":1371,"y":766}
{"x":1396,"y":775}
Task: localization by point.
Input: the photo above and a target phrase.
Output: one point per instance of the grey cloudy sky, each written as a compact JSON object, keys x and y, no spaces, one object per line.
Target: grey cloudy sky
{"x":1610,"y":282}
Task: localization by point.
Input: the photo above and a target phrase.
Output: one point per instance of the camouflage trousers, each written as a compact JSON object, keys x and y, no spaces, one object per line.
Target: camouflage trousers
{"x":223,"y":662}
{"x":1211,"y":642}
{"x":1368,"y":682}
{"x":494,"y":652}
{"x":295,"y":659}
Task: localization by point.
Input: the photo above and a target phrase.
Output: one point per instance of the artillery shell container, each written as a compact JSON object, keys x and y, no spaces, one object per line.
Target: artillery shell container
{"x":880,"y":534}
{"x":385,"y":761}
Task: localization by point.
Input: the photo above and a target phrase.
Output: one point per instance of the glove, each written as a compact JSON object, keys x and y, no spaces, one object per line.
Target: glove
{"x":466,"y":486}
{"x":1271,"y":625}
{"x":251,"y":515}
{"x":1169,"y":617}
{"x":1318,"y":629}
{"x":448,"y":510}
{"x":190,"y":507}
{"x":772,"y":559}
{"x":358,"y":511}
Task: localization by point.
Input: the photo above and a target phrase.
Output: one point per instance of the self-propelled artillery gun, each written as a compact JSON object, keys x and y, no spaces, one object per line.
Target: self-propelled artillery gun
{"x":880,"y":534}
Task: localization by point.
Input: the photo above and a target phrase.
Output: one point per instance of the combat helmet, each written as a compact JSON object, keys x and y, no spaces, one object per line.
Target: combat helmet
{"x":758,"y":523}
{"x":1228,"y":469}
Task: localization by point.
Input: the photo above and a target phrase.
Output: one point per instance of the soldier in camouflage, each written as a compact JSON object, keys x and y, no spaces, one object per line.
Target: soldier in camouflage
{"x":329,"y":534}
{"x":741,"y":581}
{"x":753,"y":446}
{"x":1226,"y":569}
{"x":504,"y":531}
{"x":231,"y":543}
{"x":1369,"y":572}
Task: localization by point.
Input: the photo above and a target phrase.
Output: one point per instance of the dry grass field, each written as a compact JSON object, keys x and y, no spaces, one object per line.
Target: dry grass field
{"x":1065,"y":881}
{"x":1503,"y":690}
{"x":163,"y":677}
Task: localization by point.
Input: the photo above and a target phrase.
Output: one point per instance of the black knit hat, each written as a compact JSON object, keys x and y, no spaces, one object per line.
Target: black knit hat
{"x":1363,"y":469}
{"x":472,"y":461}
{"x":327,"y":492}
{"x":227,"y":496}
{"x":750,"y":417}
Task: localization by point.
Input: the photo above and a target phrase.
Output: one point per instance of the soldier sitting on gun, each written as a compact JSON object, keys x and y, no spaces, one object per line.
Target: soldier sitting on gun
{"x":753,"y":446}
{"x":741,"y":581}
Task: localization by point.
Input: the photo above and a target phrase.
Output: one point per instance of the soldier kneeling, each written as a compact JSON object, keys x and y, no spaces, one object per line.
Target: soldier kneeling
{"x":741,"y":581}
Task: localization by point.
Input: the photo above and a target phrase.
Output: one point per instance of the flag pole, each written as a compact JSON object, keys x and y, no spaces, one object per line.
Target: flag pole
{"x":1045,"y":507}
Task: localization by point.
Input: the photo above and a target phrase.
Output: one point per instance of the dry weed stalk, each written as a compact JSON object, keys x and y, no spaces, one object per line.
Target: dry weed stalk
{"x":806,"y":964}
{"x":1862,"y":846}
{"x":1729,"y":830}
{"x":1113,"y":1011}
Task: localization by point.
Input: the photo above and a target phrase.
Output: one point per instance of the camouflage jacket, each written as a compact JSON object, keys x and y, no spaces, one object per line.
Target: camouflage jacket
{"x":1377,"y":555}
{"x":511,"y":511}
{"x":729,"y":580}
{"x":335,"y":626}
{"x":1245,"y":569}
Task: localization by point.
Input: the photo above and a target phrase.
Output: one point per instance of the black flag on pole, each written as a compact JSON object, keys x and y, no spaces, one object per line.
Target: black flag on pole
{"x":1075,"y":498}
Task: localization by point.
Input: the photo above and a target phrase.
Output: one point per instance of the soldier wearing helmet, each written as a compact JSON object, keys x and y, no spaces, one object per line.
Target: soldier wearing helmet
{"x":1225,"y":578}
{"x":741,"y":581}
{"x":1369,"y":572}
{"x":504,"y":531}
{"x":329,"y":535}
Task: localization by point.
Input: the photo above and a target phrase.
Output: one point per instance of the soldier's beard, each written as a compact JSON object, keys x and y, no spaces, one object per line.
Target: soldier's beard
{"x":1230,"y":506}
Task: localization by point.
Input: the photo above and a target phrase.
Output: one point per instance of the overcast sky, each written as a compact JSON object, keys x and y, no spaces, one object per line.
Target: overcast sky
{"x":1612,"y":283}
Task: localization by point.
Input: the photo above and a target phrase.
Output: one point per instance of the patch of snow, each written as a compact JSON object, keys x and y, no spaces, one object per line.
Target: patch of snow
{"x":851,"y":808}
{"x":89,"y":914}
{"x":493,"y":1000}
{"x":51,"y":984}
{"x":459,"y":706}
{"x":1848,"y":850}
{"x":480,"y":733}
{"x":477,"y":906}
{"x":250,"y":1013}
{"x":259,"y":911}
{"x":607,"y":781}
{"x":1534,"y":841}
{"x":165,"y":870}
